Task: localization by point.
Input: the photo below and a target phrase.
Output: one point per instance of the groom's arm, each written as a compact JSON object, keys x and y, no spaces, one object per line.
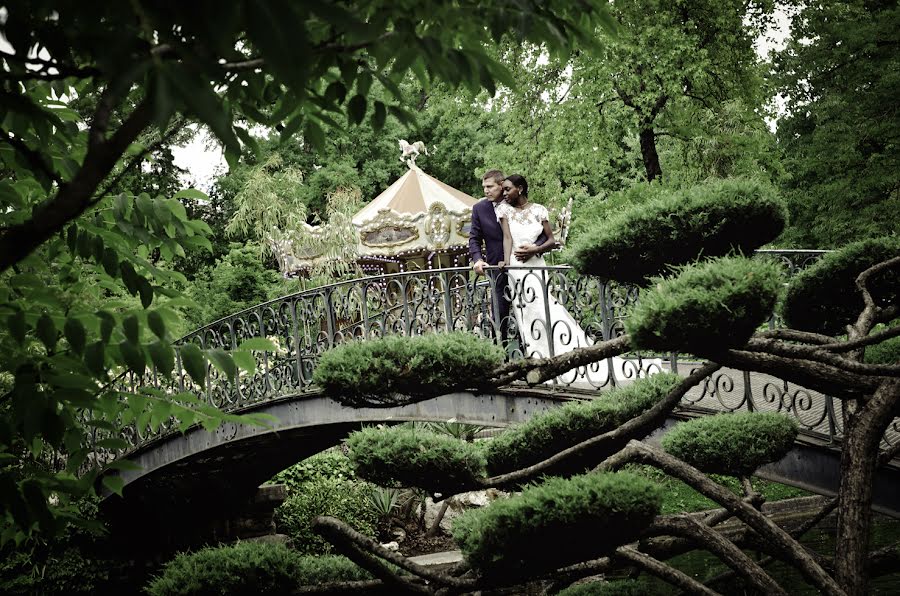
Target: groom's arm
{"x":476,"y":237}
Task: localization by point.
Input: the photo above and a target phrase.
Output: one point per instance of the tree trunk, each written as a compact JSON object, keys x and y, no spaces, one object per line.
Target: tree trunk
{"x":649,"y":154}
{"x":859,"y":457}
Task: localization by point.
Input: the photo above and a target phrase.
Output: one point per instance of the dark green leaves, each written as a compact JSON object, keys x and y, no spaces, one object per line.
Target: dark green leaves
{"x":194,"y":363}
{"x":75,"y":334}
{"x":357,"y":109}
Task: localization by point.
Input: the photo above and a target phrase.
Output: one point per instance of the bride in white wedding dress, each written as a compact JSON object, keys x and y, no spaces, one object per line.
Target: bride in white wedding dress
{"x":545,"y":326}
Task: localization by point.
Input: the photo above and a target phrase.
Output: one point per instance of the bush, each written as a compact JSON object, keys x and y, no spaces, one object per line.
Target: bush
{"x":559,"y":522}
{"x":394,"y":370}
{"x":622,"y":587}
{"x":715,"y":304}
{"x":824,"y":298}
{"x":249,"y":568}
{"x":404,"y":456}
{"x":678,"y":227}
{"x":887,"y":352}
{"x":563,"y":427}
{"x":330,"y":464}
{"x":343,"y":499}
{"x":734,"y":444}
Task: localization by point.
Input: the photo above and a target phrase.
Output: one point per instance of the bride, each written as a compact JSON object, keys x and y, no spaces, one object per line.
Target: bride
{"x":545,"y":326}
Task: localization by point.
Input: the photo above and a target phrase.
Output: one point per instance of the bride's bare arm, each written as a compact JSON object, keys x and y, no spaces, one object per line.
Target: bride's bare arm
{"x":507,"y":241}
{"x":550,"y":243}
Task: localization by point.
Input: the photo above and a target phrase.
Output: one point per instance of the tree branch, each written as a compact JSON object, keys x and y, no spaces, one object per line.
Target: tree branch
{"x":73,"y":198}
{"x":663,"y":571}
{"x":868,"y":316}
{"x":795,"y":335}
{"x":538,"y":370}
{"x":874,"y":338}
{"x":780,"y":540}
{"x":807,"y":373}
{"x":341,"y":534}
{"x":778,"y":348}
{"x":642,"y":423}
{"x":731,"y":555}
{"x":34,"y":158}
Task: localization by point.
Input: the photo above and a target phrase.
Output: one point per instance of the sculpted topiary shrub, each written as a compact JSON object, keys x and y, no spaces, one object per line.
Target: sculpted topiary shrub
{"x":249,"y":568}
{"x":711,"y":219}
{"x":713,"y":304}
{"x":403,"y":456}
{"x":732,"y":444}
{"x":344,"y":499}
{"x":557,"y":522}
{"x":824,"y":298}
{"x":563,"y":427}
{"x":394,"y":370}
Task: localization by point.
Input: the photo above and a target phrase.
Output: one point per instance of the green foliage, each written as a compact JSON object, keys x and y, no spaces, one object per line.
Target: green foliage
{"x":331,"y":464}
{"x":346,"y":500}
{"x":551,"y":432}
{"x":622,"y":587}
{"x":238,"y":281}
{"x":403,"y":456}
{"x":886,"y":352}
{"x":735,"y":444}
{"x":610,"y":509}
{"x":248,"y":568}
{"x":706,"y":307}
{"x":837,"y":73}
{"x":824,"y":298}
{"x":393,"y":370}
{"x":678,"y":227}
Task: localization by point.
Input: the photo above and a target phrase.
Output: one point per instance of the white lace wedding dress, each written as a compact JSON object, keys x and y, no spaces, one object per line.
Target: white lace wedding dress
{"x":545,"y":326}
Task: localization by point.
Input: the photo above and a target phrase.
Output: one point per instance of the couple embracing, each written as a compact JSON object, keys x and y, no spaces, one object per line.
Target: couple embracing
{"x":512,"y":232}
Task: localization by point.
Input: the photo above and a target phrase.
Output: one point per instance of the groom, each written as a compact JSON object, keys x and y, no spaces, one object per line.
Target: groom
{"x":487,"y":234}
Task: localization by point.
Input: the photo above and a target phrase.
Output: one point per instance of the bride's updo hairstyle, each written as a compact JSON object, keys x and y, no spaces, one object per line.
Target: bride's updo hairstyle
{"x":519,"y":181}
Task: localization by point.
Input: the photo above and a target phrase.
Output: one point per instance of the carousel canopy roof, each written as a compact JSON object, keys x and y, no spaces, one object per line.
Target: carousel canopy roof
{"x":413,"y":193}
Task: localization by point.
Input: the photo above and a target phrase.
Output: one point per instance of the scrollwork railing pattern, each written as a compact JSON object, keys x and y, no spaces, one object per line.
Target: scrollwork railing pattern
{"x":305,"y":324}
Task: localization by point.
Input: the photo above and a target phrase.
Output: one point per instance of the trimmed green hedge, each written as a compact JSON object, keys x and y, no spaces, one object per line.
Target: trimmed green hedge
{"x":710,"y":305}
{"x":395,"y":370}
{"x":678,"y":227}
{"x":732,"y":444}
{"x":563,"y":427}
{"x":824,"y":297}
{"x":404,"y":456}
{"x":249,"y":568}
{"x":559,"y":522}
{"x":346,"y":500}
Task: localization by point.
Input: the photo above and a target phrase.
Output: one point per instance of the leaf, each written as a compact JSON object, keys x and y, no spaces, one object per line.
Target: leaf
{"x":222,"y":360}
{"x":194,"y":362}
{"x":133,"y":356}
{"x":46,"y":331}
{"x":379,"y":116}
{"x":95,"y":358}
{"x":75,"y":334}
{"x":244,"y":360}
{"x":357,"y":109}
{"x":258,"y":343}
{"x":107,"y":324}
{"x":125,"y":465}
{"x":16,"y":324}
{"x":189,"y":193}
{"x":160,"y":412}
{"x":163,"y":356}
{"x":114,"y":484}
{"x":315,"y":135}
{"x":156,"y":323}
{"x":203,"y":102}
{"x":113,"y":443}
{"x":145,"y":289}
{"x":132,"y":328}
{"x":129,"y":276}
{"x":291,"y":127}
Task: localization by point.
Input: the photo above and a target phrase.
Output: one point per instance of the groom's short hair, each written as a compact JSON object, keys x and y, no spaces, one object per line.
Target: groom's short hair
{"x":496,"y":175}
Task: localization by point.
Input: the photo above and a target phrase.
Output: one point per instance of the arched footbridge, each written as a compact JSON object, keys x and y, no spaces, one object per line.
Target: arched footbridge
{"x":201,"y":473}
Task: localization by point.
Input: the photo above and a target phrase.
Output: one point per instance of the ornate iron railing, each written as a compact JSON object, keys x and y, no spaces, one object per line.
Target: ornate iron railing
{"x":305,"y":324}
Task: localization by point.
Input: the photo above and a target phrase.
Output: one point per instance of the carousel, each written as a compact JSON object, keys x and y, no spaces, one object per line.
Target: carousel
{"x":417,"y":223}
